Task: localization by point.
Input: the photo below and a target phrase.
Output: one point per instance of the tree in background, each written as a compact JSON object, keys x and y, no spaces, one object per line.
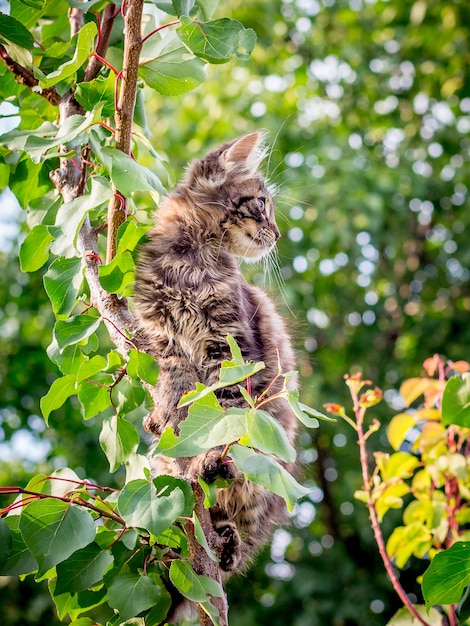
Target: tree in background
{"x":367,"y":106}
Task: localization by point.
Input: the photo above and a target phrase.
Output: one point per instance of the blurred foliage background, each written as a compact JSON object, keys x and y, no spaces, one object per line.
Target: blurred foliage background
{"x":366,"y":105}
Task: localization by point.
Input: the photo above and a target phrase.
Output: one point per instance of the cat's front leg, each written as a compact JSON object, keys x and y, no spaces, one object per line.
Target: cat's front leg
{"x":176,"y":377}
{"x":211,"y":465}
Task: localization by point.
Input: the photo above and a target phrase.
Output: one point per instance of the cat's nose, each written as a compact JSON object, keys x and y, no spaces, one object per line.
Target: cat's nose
{"x":276,"y":232}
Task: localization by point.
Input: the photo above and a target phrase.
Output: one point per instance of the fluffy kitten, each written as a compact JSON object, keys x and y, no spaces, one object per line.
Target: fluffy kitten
{"x":189,"y":294}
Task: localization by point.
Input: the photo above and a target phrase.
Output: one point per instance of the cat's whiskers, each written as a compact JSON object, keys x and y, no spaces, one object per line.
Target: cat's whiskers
{"x":219,"y":247}
{"x":276,"y":271}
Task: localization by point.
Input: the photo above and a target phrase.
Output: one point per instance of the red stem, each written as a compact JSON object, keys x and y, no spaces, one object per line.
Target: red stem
{"x":379,"y":539}
{"x":104,"y":62}
{"x":144,"y":39}
{"x":34,"y":495}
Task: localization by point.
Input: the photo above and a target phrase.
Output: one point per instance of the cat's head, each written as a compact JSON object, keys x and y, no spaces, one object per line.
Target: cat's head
{"x":228,"y":190}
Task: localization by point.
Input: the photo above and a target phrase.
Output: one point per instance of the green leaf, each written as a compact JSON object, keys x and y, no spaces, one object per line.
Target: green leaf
{"x":70,"y":331}
{"x":137,"y":466}
{"x":130,"y":594}
{"x":217,"y":41}
{"x":74,"y":604}
{"x":211,"y":611}
{"x":175,"y":7}
{"x":36,"y":142}
{"x":456,"y":401}
{"x":404,"y":618}
{"x":90,"y":367}
{"x":157,"y":614}
{"x":34,"y":251}
{"x":82,"y":569}
{"x":62,"y":282}
{"x":201,"y":538}
{"x":142,"y":365}
{"x":165,"y":66}
{"x":85,"y":46}
{"x":35,"y":4}
{"x":206,"y":427}
{"x":140,"y":506}
{"x":211,"y":489}
{"x":210,"y":492}
{"x":128,"y":175}
{"x":71,"y":216}
{"x":68,"y":360}
{"x":448,"y":575}
{"x":60,"y":390}
{"x":85,"y":7}
{"x":231,"y":372}
{"x":13,"y":31}
{"x":16,"y":139}
{"x":266,"y":472}
{"x":6,"y":541}
{"x":94,"y":398}
{"x":165,"y":484}
{"x":190,"y":585}
{"x":118,"y":439}
{"x":207,"y":8}
{"x":118,"y":275}
{"x":20,"y":560}
{"x":53,"y":530}
{"x":265,"y":433}
{"x":129,"y":235}
{"x":97,"y":93}
{"x":127,"y":396}
{"x":463,"y":609}
{"x":237,"y":357}
{"x":308,"y":416}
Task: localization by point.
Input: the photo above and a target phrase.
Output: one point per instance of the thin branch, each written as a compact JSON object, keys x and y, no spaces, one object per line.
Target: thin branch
{"x":159,"y":28}
{"x":35,"y":495}
{"x":125,"y":110}
{"x":26,"y":77}
{"x":105,"y":26}
{"x":379,"y":539}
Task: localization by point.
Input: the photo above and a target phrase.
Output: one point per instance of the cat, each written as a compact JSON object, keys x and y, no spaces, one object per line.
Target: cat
{"x":189,"y":294}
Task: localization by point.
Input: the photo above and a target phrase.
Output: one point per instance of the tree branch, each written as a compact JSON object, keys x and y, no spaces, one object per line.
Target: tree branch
{"x":125,"y":111}
{"x":201,"y":563}
{"x":27,"y":78}
{"x":105,"y":26}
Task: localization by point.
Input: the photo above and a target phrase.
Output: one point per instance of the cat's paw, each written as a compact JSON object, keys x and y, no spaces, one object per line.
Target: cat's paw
{"x":230,"y":553}
{"x":211,"y":466}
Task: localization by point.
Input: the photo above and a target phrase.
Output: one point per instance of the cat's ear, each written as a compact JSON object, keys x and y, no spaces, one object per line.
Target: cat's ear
{"x":246,"y":153}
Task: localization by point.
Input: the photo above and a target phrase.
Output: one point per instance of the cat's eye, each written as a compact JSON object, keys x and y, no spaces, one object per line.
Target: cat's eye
{"x":261,"y":203}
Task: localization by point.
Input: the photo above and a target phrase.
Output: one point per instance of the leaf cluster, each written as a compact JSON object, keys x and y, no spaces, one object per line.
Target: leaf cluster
{"x":427,"y":478}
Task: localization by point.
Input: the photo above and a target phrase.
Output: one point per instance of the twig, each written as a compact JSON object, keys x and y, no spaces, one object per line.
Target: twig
{"x":105,"y":26}
{"x":35,"y":495}
{"x":359,"y":412}
{"x":27,"y":78}
{"x":159,"y":28}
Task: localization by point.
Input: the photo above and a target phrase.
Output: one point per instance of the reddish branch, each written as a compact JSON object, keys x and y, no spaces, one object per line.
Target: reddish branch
{"x":26,"y":77}
{"x":105,"y":26}
{"x":35,"y":495}
{"x":362,"y":436}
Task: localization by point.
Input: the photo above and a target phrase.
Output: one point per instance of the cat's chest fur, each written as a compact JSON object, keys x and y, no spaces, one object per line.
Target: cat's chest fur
{"x":200,"y":302}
